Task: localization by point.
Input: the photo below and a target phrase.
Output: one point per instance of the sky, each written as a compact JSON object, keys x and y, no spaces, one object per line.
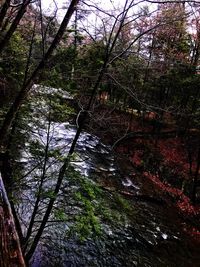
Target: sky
{"x":92,"y":19}
{"x":109,"y":5}
{"x":49,"y":5}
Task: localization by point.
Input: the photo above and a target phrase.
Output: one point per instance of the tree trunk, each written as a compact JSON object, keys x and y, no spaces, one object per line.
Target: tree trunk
{"x":11,"y":114}
{"x":10,"y":251}
{"x":14,"y":24}
{"x":4,"y":11}
{"x":195,"y":180}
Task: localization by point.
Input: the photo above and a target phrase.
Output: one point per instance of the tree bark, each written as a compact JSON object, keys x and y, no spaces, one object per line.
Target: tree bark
{"x":10,"y":251}
{"x":4,"y":11}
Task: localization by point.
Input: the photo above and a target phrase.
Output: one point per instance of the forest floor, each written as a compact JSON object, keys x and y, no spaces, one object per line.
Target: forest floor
{"x":161,"y":158}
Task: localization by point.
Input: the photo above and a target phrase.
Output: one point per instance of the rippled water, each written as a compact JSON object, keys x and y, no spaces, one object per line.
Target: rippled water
{"x":132,"y":232}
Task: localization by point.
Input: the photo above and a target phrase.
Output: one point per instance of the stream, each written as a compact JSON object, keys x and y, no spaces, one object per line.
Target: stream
{"x":96,"y":221}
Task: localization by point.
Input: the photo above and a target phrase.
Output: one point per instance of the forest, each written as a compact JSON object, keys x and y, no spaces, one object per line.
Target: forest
{"x":99,"y":133}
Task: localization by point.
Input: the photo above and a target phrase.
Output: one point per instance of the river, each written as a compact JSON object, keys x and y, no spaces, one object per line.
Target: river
{"x":99,"y":218}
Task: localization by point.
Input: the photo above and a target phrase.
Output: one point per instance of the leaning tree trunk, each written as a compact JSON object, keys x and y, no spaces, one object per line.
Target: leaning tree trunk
{"x":3,"y":11}
{"x":10,"y":251}
{"x":11,"y":114}
{"x":81,"y":122}
{"x":14,"y":24}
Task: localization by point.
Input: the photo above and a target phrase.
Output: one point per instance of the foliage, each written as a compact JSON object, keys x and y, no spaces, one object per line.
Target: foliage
{"x":58,"y":74}
{"x":13,"y":59}
{"x":87,"y":222}
{"x":12,"y":67}
{"x":61,"y":111}
{"x":155,"y":74}
{"x":96,"y":208}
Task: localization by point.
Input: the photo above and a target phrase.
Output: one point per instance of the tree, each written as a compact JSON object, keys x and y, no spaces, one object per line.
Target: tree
{"x":30,"y":81}
{"x":14,"y":24}
{"x":113,"y":62}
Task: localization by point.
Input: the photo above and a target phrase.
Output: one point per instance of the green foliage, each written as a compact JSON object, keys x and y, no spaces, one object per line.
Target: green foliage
{"x":60,"y":214}
{"x":88,"y":54}
{"x":60,"y":110}
{"x":128,"y":72}
{"x":96,"y":207}
{"x":58,"y":74}
{"x":36,"y":149}
{"x":122,"y":203}
{"x":13,"y":60}
{"x":86,"y":222}
{"x":12,"y":68}
{"x":175,"y":88}
{"x":49,"y":193}
{"x":89,"y":61}
{"x":112,"y":210}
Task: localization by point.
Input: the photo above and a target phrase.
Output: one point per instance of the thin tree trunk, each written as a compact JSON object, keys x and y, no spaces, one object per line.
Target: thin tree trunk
{"x":65,"y":167}
{"x":75,"y":44}
{"x":146,"y":73}
{"x":10,"y":251}
{"x":195,"y":54}
{"x":36,"y":205}
{"x":81,"y":122}
{"x":6,"y":169}
{"x":14,"y":24}
{"x":3,"y":11}
{"x":196,"y":177}
{"x":17,"y":223}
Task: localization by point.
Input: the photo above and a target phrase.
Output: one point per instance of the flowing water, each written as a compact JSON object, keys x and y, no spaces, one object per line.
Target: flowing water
{"x":97,"y":221}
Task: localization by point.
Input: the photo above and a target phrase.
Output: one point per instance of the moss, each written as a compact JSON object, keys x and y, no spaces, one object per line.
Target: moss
{"x":122,"y":203}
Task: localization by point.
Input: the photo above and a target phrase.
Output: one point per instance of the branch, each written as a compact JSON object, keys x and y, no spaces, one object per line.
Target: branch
{"x":10,"y":116}
{"x":3,"y":11}
{"x":14,"y":25}
{"x":172,"y":1}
